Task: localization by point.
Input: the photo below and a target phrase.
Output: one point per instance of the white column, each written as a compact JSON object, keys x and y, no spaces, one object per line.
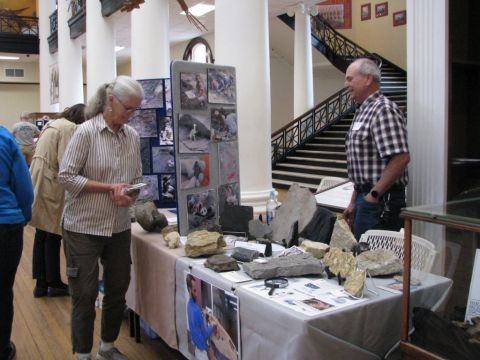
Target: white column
{"x":150,"y":40}
{"x":101,"y":61}
{"x":302,"y":69}
{"x":70,"y":77}
{"x":46,"y":60}
{"x":241,"y":40}
{"x":427,"y":69}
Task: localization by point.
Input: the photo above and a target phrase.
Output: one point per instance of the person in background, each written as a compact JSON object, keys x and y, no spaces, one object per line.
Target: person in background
{"x":101,"y":160}
{"x":16,"y":196}
{"x":199,"y":331}
{"x":48,"y":202}
{"x":25,"y":133}
{"x":377,"y":153}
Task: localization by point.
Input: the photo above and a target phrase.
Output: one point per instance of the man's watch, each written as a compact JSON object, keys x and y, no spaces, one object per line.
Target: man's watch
{"x":374,"y":194}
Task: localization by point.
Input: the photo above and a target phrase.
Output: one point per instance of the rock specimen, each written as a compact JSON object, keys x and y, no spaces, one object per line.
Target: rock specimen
{"x":299,"y":205}
{"x":172,"y":239}
{"x":221,"y":262}
{"x":259,"y":230}
{"x":149,"y":218}
{"x":203,"y":242}
{"x":379,"y":262}
{"x":342,"y":236}
{"x":168,"y":229}
{"x":355,"y":283}
{"x":340,"y":262}
{"x":317,"y":249}
{"x":294,"y":265}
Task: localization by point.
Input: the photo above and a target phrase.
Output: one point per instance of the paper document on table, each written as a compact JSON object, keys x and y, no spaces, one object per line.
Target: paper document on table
{"x":338,"y":196}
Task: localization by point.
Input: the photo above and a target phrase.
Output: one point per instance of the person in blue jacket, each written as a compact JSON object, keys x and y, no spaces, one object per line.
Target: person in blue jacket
{"x":199,"y":331}
{"x":16,"y":197}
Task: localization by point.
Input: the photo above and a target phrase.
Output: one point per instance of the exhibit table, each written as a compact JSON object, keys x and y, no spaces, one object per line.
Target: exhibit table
{"x":367,"y":330}
{"x":336,"y":198}
{"x":152,"y":286}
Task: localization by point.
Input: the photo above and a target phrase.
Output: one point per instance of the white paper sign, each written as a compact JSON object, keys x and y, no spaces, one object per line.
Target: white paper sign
{"x":473,"y":304}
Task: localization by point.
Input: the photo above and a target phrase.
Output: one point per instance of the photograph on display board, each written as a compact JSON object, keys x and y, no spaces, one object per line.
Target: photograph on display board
{"x":145,"y":123}
{"x":168,"y":187}
{"x":168,"y":97}
{"x":213,"y":324}
{"x":228,"y":194}
{"x":221,"y":86}
{"x":145,"y":153}
{"x":149,"y":192}
{"x":228,"y":162}
{"x":201,"y":208}
{"x":163,"y":159}
{"x":165,"y":128}
{"x":153,"y":90}
{"x":193,"y":91}
{"x":193,"y":133}
{"x":194,"y":172}
{"x":224,"y":124}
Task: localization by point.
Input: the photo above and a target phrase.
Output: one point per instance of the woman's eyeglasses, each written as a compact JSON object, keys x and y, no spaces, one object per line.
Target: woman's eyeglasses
{"x":126,"y":108}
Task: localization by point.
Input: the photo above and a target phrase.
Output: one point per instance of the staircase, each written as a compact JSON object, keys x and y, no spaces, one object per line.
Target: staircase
{"x":322,"y":152}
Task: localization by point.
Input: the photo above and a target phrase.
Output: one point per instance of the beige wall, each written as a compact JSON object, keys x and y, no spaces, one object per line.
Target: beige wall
{"x":15,"y":98}
{"x":378,"y":35}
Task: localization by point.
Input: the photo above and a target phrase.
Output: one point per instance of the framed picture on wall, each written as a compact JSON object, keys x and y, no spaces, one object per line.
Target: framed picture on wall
{"x":400,"y":18}
{"x":381,"y":9}
{"x":366,"y":11}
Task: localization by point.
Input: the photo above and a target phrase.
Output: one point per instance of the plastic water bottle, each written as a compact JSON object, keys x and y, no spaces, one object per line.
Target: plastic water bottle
{"x":271,"y":207}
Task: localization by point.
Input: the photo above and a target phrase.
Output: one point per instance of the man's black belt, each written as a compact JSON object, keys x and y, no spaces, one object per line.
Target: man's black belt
{"x":365,"y":188}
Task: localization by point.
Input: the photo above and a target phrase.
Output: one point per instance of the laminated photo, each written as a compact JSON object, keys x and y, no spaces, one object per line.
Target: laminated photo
{"x":163,"y":159}
{"x":224,"y":124}
{"x":153,"y":90}
{"x":221,"y":86}
{"x":145,"y":123}
{"x":193,"y":91}
{"x":165,"y":131}
{"x":193,"y":133}
{"x":194,"y":172}
{"x":228,"y":162}
{"x":149,"y":192}
{"x":201,"y":209}
{"x":228,"y":194}
{"x":168,"y":186}
{"x":145,"y":154}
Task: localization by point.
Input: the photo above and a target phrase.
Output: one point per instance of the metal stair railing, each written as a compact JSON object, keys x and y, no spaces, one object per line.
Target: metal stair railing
{"x":22,"y":25}
{"x":304,"y":127}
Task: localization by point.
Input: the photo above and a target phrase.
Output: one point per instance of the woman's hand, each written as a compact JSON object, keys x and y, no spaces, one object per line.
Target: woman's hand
{"x":118,"y":196}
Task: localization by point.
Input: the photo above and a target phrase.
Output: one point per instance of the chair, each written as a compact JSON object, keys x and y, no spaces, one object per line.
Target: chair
{"x":423,"y":251}
{"x":328,"y":182}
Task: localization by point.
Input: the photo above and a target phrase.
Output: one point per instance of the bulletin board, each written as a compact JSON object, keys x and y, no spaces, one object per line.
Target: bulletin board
{"x":206,"y":142}
{"x":153,"y":122}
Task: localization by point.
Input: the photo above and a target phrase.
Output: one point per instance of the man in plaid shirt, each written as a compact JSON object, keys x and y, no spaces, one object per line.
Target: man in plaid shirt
{"x":377,"y":153}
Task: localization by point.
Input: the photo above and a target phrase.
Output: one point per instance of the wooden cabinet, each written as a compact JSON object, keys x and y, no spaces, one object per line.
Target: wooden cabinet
{"x":459,"y":218}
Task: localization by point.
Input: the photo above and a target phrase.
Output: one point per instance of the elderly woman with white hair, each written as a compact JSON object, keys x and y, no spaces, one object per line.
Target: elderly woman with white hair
{"x":101,"y":161}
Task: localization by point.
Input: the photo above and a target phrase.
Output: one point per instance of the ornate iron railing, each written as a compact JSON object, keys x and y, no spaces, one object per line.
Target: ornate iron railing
{"x":54,"y":22}
{"x":303,"y":128}
{"x":22,"y":25}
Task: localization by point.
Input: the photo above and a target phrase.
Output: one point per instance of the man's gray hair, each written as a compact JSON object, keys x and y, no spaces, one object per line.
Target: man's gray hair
{"x":24,"y":114}
{"x":368,"y":67}
{"x":123,"y":87}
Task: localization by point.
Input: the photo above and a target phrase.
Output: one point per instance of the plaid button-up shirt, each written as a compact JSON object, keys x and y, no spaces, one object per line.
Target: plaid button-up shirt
{"x":378,"y":131}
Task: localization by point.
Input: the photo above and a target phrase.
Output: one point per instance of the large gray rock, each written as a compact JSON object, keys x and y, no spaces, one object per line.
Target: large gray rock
{"x":149,"y":218}
{"x":342,"y":236}
{"x":221,"y":262}
{"x":299,"y":205}
{"x":200,"y":243}
{"x":379,"y":262}
{"x":294,"y":265}
{"x":259,"y":230}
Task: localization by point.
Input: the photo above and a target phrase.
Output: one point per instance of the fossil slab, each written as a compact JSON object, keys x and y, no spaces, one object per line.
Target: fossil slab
{"x":221,"y":262}
{"x":202,"y":242}
{"x":340,"y":262}
{"x":379,"y":262}
{"x":342,"y":236}
{"x":293,"y":265}
{"x":355,"y":283}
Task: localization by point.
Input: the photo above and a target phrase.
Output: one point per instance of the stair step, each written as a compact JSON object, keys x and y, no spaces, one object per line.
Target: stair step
{"x":287,"y":184}
{"x":330,"y":139}
{"x":300,"y":175}
{"x":313,"y":161}
{"x":311,"y":168}
{"x":319,"y":152}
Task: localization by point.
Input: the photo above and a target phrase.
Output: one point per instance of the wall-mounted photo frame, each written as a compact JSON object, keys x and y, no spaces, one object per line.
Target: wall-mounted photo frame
{"x":366,"y":12}
{"x":381,"y":9}
{"x":400,"y":18}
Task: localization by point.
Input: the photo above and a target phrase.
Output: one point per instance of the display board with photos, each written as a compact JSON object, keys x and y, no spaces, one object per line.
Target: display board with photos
{"x":153,"y":122}
{"x":206,"y":146}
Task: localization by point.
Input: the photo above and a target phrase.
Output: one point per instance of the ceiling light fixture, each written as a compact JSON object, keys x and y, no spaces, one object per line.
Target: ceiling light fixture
{"x":199,"y":9}
{"x":9,"y":58}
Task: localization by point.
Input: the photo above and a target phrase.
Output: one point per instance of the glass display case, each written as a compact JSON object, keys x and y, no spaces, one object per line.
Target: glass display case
{"x":461,"y":222}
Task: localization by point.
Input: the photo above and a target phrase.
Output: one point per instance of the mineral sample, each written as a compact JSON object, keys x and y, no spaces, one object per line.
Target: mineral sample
{"x":355,"y":283}
{"x":203,"y":242}
{"x":173,"y":240}
{"x":342,"y":236}
{"x":317,"y":249}
{"x":379,"y":262}
{"x":259,"y":230}
{"x":221,"y":262}
{"x":168,"y":229}
{"x":149,"y":218}
{"x":340,"y":262}
{"x":294,"y":265}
